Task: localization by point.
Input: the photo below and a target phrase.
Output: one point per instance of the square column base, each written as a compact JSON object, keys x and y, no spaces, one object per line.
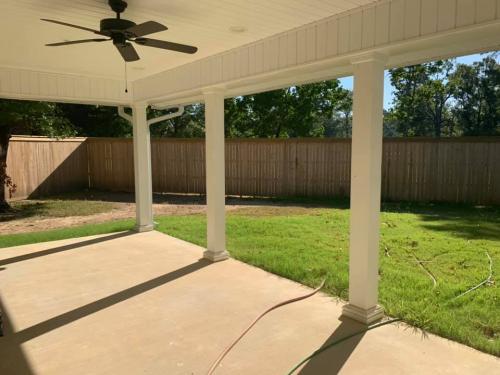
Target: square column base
{"x":215,"y":257}
{"x":144,"y":228}
{"x":361,"y":315}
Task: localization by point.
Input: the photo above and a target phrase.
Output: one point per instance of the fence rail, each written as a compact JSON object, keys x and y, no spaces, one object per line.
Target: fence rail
{"x":417,"y":169}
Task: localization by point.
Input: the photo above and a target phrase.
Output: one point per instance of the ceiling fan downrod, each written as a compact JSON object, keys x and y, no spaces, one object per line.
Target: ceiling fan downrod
{"x":118,"y":6}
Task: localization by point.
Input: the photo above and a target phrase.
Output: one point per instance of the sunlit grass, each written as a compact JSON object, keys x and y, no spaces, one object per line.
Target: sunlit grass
{"x":449,"y":241}
{"x":65,"y":233}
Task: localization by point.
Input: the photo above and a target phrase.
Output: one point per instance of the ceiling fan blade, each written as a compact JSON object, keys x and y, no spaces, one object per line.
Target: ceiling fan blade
{"x":146,"y":28}
{"x":75,"y":26}
{"x":166,"y":45}
{"x":76,"y":42}
{"x":128,"y":52}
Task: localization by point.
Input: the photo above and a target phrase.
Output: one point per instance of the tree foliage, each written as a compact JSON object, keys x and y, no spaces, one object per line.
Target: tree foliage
{"x":422,"y":96}
{"x":443,"y":98}
{"x":191,"y":124}
{"x":298,"y":111}
{"x":477,"y":97}
{"x":95,"y":121}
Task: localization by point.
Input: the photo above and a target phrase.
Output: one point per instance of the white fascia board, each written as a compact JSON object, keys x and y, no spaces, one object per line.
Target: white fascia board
{"x":406,"y":31}
{"x":25,"y":84}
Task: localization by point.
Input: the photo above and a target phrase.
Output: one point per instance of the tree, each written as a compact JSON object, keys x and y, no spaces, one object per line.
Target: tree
{"x":24,"y":117}
{"x":264,"y":115}
{"x":437,"y":92}
{"x":445,"y":98}
{"x":95,"y":121}
{"x":314,"y":104}
{"x":422,"y":95}
{"x":191,"y":124}
{"x":297,"y":111}
{"x":477,"y":97}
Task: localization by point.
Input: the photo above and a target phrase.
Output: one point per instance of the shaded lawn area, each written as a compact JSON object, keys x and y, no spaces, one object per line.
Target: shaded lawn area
{"x":305,"y":244}
{"x":45,"y":208}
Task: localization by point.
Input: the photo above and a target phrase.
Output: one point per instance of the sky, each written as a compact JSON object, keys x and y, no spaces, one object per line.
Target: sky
{"x":347,"y":82}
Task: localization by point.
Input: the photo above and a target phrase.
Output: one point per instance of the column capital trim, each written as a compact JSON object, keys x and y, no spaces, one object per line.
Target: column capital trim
{"x":213,"y":90}
{"x":375,"y":57}
{"x":139,"y":104}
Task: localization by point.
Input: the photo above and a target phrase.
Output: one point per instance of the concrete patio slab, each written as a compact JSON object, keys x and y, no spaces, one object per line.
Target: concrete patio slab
{"x":148,"y":304}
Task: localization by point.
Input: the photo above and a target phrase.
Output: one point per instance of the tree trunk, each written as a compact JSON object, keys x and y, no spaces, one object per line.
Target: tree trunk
{"x":346,"y":124}
{"x":4,"y":146}
{"x":278,"y":130}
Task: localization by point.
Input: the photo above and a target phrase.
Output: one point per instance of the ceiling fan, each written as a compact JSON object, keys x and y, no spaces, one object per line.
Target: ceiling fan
{"x":122,"y":32}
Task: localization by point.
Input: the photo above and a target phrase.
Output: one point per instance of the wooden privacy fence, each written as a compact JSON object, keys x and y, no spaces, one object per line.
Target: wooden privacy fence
{"x":415,"y":169}
{"x":44,"y":166}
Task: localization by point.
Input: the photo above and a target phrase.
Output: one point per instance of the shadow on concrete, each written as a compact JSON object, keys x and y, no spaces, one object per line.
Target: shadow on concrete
{"x":93,"y":307}
{"x":333,"y":359}
{"x":59,"y":249}
{"x":12,"y":357}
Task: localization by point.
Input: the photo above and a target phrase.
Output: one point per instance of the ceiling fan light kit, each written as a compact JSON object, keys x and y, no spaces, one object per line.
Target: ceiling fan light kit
{"x":122,"y":32}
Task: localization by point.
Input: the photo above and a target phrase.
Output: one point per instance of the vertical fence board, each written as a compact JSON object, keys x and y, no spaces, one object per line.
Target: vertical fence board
{"x":415,"y":169}
{"x":41,"y":166}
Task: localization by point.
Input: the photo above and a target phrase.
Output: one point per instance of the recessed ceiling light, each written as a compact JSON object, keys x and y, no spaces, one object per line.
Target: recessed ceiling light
{"x":237,"y":29}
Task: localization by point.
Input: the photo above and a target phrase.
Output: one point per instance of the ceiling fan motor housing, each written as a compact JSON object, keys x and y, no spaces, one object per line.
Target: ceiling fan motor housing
{"x":115,"y":25}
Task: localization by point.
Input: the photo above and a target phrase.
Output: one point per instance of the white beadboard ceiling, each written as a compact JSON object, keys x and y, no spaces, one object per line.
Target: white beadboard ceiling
{"x":203,"y":23}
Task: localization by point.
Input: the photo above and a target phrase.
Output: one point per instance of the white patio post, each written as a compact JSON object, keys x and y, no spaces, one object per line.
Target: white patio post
{"x":215,"y":175}
{"x":142,"y":169}
{"x":366,"y":170}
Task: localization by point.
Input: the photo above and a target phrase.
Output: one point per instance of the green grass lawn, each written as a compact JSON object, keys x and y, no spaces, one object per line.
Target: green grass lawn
{"x":451,"y":243}
{"x":307,"y":244}
{"x":19,"y":239}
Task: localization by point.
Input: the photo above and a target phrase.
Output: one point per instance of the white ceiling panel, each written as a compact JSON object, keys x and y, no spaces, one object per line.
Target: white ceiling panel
{"x":203,"y":23}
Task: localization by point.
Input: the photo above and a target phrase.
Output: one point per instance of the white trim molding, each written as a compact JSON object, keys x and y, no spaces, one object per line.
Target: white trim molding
{"x":26,"y":84}
{"x":406,"y":31}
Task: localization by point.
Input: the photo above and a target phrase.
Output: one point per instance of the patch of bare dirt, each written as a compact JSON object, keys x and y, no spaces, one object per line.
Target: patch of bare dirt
{"x":120,"y":211}
{"x":164,"y":205}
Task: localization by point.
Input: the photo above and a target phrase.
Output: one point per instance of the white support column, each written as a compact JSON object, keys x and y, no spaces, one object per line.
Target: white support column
{"x":366,"y":170}
{"x":142,"y":169}
{"x":215,"y":175}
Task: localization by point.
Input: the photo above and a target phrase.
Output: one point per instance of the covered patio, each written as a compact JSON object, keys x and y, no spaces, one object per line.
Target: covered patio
{"x":130,"y":303}
{"x":177,"y":322}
